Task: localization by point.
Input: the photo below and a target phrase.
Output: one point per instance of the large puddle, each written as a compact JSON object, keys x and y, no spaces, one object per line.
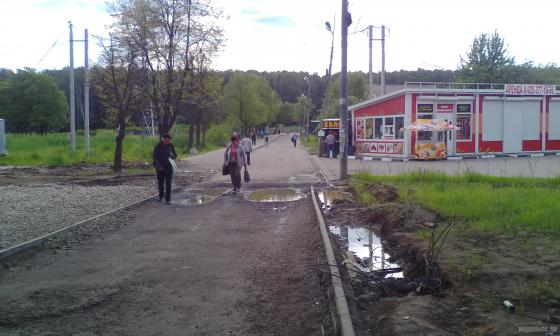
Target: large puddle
{"x":361,"y":241}
{"x":276,"y":195}
{"x":367,"y":247}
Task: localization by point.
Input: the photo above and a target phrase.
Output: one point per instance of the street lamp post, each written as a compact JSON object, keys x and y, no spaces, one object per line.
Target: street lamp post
{"x":331,"y":30}
{"x":308,"y":110}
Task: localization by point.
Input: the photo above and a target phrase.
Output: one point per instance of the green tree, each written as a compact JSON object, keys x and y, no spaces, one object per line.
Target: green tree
{"x":171,"y":36}
{"x":487,"y":61}
{"x":357,"y":92}
{"x":116,"y":79}
{"x":250,"y":101}
{"x":286,"y":114}
{"x":32,"y":102}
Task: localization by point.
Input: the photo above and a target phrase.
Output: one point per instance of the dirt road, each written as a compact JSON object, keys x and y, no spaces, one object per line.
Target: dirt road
{"x":227,"y":267}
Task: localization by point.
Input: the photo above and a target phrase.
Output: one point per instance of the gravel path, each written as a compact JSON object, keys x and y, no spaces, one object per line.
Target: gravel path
{"x":28,"y":212}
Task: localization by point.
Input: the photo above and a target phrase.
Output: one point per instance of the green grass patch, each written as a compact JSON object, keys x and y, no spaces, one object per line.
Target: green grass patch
{"x":54,"y":149}
{"x":510,"y":205}
{"x":311,"y":143}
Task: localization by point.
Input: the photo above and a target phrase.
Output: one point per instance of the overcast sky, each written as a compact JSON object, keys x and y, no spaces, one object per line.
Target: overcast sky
{"x":290,"y":34}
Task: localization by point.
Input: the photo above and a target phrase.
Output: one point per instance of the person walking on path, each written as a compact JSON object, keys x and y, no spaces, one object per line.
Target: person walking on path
{"x":164,"y":151}
{"x":294,"y":139}
{"x":266,"y":140}
{"x":234,"y":159}
{"x":331,"y":140}
{"x":254,"y":136}
{"x":248,"y":147}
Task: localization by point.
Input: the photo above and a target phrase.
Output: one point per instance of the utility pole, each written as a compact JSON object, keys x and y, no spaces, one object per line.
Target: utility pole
{"x":370,"y":74}
{"x":344,"y":91}
{"x":86,"y":92}
{"x":308,"y":108}
{"x":72,"y":102}
{"x":383,"y":60}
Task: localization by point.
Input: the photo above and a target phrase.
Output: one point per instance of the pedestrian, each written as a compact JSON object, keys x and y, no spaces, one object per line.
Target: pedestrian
{"x":234,"y":159}
{"x":294,"y":139}
{"x":266,"y":140}
{"x":331,"y":140}
{"x":248,"y":147}
{"x":254,"y":136}
{"x":164,"y":151}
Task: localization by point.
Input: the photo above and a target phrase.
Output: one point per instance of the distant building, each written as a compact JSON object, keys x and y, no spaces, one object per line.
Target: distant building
{"x":493,"y":119}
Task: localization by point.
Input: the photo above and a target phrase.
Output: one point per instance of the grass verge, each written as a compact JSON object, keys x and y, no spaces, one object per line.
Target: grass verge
{"x":507,"y":205}
{"x":54,"y":150}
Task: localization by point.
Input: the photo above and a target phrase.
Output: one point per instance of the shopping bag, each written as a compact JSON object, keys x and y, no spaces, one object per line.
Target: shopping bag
{"x":246,"y":176}
{"x":225,"y":170}
{"x":174,"y":167}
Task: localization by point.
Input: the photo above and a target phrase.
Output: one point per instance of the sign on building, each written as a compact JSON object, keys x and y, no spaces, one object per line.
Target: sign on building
{"x":530,"y":89}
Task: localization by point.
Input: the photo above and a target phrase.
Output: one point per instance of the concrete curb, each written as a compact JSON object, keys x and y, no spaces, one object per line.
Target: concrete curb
{"x":5,"y":253}
{"x":327,"y":175}
{"x":342,"y":310}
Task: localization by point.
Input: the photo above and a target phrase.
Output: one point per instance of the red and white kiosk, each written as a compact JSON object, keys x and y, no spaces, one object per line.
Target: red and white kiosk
{"x":489,"y":119}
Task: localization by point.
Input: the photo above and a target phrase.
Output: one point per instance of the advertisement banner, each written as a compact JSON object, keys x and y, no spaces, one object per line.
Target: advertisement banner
{"x":445,"y":108}
{"x":429,"y":151}
{"x":529,"y":89}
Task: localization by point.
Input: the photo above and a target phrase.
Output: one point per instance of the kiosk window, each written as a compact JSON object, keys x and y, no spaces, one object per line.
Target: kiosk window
{"x":369,"y":128}
{"x":425,"y":136}
{"x":464,"y":123}
{"x":378,"y":128}
{"x":399,"y":124}
{"x":389,"y":131}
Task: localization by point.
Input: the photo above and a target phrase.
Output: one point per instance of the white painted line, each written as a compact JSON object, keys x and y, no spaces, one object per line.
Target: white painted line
{"x":454,"y":158}
{"x":386,"y":159}
{"x":351,"y":157}
{"x":487,"y":156}
{"x":346,"y":327}
{"x":368,"y":158}
{"x":537,"y":155}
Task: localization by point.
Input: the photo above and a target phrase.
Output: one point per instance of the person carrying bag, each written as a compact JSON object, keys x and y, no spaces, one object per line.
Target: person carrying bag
{"x":234,"y":159}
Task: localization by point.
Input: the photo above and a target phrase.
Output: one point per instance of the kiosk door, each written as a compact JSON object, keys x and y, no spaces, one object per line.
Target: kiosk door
{"x":513,"y":127}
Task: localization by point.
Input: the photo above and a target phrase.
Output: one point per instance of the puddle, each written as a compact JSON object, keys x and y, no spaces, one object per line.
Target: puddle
{"x":366,"y":245}
{"x":208,"y":192}
{"x":276,"y":195}
{"x":329,"y":197}
{"x":197,"y":197}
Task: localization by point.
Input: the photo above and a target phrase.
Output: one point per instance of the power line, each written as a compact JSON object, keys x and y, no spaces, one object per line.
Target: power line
{"x":49,"y":50}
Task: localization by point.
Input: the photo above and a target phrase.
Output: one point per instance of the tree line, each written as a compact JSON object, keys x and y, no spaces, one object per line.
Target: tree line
{"x":156,"y":61}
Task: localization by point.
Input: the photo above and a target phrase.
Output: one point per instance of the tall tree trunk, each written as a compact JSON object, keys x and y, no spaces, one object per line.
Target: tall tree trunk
{"x":197,"y":136}
{"x":117,"y":162}
{"x":203,"y":136}
{"x":191,"y":138}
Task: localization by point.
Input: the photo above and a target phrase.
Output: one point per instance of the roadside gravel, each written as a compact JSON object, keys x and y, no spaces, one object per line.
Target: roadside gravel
{"x":27,"y":212}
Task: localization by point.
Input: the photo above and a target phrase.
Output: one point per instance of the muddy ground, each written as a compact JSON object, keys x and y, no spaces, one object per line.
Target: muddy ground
{"x":475,"y":273}
{"x":134,"y":173}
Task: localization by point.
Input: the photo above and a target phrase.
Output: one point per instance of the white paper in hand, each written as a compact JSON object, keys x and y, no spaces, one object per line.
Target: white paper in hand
{"x":174,"y":167}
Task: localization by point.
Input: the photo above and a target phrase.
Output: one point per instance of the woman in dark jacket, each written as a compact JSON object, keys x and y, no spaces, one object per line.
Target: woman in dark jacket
{"x":164,"y":151}
{"x":234,"y":159}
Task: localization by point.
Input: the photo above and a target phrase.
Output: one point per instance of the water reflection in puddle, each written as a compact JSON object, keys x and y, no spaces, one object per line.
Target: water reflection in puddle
{"x":329,"y":197}
{"x":197,"y":197}
{"x":276,"y":195}
{"x":367,"y":246}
